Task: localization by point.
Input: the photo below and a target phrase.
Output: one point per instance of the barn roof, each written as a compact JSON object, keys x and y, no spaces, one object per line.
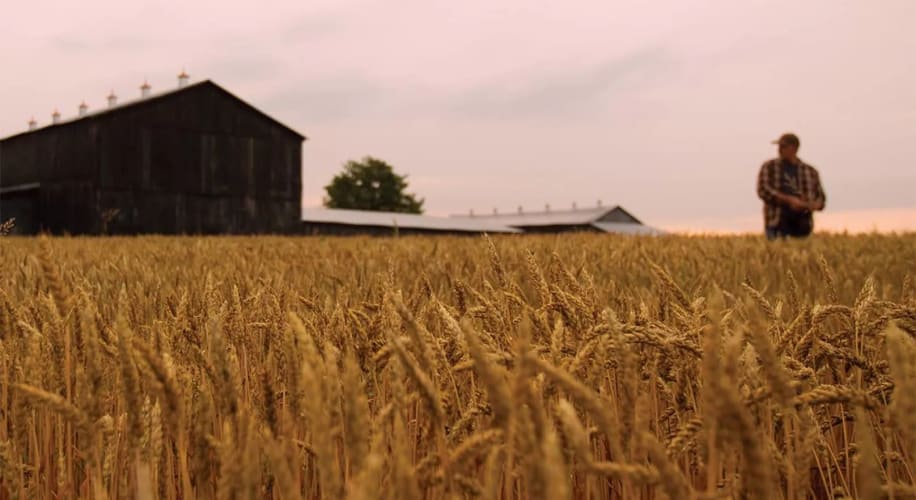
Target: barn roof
{"x":577,"y":217}
{"x":607,"y":219}
{"x":407,"y":221}
{"x":627,"y":228}
{"x":157,"y":97}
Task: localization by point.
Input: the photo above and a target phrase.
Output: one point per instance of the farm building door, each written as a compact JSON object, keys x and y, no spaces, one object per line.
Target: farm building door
{"x":20,"y":203}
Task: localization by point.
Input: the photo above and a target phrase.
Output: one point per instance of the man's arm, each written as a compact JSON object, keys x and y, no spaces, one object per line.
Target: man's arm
{"x":820,"y":198}
{"x":767,"y":187}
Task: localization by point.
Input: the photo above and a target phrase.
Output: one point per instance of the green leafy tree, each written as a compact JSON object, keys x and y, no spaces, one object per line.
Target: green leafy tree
{"x":371,"y":184}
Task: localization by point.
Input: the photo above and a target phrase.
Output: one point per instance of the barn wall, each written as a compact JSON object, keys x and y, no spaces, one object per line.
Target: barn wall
{"x":66,"y":208}
{"x":333,"y":229}
{"x":61,"y":160}
{"x":182,"y":213}
{"x":55,"y":154}
{"x":558,"y":229}
{"x":200,"y":163}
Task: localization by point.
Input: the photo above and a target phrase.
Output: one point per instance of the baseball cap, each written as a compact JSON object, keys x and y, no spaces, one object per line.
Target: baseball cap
{"x":787,"y":139}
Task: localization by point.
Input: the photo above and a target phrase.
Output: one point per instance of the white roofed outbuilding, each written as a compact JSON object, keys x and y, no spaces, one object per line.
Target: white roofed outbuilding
{"x":598,"y":219}
{"x":342,"y":221}
{"x":595,"y":219}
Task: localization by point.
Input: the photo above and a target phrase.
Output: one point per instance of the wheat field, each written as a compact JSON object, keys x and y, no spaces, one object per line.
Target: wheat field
{"x":572,"y":366}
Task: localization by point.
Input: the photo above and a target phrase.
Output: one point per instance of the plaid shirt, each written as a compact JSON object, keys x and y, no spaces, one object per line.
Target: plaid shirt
{"x":770,"y":182}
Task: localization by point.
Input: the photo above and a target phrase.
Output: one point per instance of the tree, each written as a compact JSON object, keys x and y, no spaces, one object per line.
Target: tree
{"x":371,"y":184}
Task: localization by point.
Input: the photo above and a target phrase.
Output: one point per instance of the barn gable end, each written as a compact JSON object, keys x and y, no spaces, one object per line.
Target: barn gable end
{"x":195,"y":160}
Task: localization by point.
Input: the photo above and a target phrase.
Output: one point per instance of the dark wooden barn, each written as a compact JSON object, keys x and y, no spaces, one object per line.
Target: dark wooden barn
{"x":194,"y":160}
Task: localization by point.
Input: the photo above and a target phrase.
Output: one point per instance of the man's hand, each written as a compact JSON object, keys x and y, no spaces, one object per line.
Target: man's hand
{"x":797,"y":204}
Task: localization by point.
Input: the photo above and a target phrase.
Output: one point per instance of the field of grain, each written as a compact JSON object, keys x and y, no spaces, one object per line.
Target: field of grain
{"x":577,"y":366}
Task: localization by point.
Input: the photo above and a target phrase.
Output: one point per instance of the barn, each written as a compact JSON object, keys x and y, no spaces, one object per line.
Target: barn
{"x":597,"y":219}
{"x":192,"y":160}
{"x":342,"y":222}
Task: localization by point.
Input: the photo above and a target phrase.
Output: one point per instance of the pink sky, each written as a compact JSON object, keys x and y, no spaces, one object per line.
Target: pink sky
{"x":664,"y":107}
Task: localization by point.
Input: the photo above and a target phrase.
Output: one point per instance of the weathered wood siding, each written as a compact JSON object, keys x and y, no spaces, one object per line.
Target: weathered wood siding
{"x":194,"y":161}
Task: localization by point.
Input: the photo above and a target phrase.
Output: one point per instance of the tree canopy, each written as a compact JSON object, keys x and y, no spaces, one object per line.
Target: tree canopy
{"x":371,"y":184}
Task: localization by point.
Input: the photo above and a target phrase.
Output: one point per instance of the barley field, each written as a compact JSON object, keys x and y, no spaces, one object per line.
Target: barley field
{"x":572,"y":366}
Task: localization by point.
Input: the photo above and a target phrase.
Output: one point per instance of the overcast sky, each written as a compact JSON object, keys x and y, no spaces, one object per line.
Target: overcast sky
{"x":665,"y":107}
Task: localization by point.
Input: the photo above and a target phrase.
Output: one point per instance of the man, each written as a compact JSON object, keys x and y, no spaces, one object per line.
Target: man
{"x":791,"y":190}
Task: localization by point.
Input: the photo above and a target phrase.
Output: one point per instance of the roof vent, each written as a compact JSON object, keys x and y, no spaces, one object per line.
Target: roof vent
{"x":145,"y":89}
{"x":183,"y":79}
{"x":599,"y":204}
{"x":574,"y":207}
{"x":55,"y":117}
{"x":547,"y":207}
{"x":112,"y":99}
{"x":471,"y":212}
{"x":33,"y":124}
{"x":83,"y":109}
{"x":495,"y":211}
{"x":520,"y":210}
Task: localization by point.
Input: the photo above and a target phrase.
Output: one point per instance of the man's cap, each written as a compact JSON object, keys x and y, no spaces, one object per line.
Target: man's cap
{"x":788,"y":140}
